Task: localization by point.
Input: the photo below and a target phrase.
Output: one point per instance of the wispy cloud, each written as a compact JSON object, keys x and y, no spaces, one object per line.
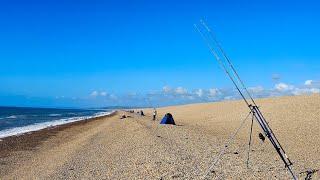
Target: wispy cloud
{"x":199,"y":92}
{"x":94,"y":93}
{"x":181,"y":91}
{"x":308,"y":82}
{"x":301,"y":91}
{"x":103,"y":93}
{"x":282,"y":87}
{"x":183,"y":95}
{"x":168,"y":95}
{"x":256,"y":89}
{"x":275,"y":77}
{"x":166,"y":89}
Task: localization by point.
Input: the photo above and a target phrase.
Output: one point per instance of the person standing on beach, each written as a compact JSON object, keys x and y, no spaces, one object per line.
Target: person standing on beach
{"x":154,"y":113}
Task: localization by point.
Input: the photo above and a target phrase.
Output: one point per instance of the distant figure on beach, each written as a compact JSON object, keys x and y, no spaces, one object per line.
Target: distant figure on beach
{"x":154,"y":113}
{"x":141,"y":113}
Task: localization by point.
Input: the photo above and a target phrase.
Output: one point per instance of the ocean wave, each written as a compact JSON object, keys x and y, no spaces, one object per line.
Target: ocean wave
{"x":101,"y":114}
{"x":38,"y":126}
{"x":11,"y":117}
{"x":54,"y":115}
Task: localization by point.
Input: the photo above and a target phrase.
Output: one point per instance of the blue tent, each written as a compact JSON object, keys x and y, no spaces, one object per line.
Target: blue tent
{"x":167,"y":119}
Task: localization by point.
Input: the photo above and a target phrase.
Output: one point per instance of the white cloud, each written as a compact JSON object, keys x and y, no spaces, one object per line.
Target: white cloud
{"x":190,"y":97}
{"x":302,"y":91}
{"x":275,"y":77}
{"x":257,"y":89}
{"x":94,"y":93}
{"x":315,"y":90}
{"x":228,"y":98}
{"x":180,"y":95}
{"x":112,"y":96}
{"x":103,"y":93}
{"x":166,"y":89}
{"x":59,"y":97}
{"x":199,"y":92}
{"x":308,"y":82}
{"x":283,"y":87}
{"x":99,"y":94}
{"x":181,"y":91}
{"x":213,"y":92}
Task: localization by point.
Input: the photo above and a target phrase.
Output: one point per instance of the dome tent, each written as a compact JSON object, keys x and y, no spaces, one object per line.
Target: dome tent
{"x":168,"y":119}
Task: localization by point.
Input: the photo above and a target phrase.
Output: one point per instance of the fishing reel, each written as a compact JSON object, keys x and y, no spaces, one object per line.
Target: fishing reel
{"x":311,"y":174}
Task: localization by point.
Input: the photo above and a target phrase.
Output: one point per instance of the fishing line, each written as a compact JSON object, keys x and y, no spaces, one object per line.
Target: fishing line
{"x":229,"y":142}
{"x":253,"y":107}
{"x":213,"y":37}
{"x":220,"y":62}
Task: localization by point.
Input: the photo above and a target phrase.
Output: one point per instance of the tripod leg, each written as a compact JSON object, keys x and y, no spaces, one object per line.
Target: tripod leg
{"x":250,"y":139}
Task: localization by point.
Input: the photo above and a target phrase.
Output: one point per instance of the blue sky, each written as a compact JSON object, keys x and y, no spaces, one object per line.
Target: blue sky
{"x":100,"y":53}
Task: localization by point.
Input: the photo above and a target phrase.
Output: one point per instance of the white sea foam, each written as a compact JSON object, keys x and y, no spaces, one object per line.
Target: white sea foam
{"x":101,"y":114}
{"x":54,"y":115}
{"x":11,"y":117}
{"x":38,"y":126}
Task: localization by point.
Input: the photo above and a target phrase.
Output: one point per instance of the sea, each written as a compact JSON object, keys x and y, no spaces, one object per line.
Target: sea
{"x":20,"y":120}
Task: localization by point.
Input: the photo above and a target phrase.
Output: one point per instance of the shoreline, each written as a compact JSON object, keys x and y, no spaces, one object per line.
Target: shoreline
{"x":17,"y":131}
{"x":29,"y":140}
{"x":103,"y":147}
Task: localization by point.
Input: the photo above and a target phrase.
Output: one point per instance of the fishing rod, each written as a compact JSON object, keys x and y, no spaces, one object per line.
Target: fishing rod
{"x":223,"y":66}
{"x":231,"y":72}
{"x":213,"y":37}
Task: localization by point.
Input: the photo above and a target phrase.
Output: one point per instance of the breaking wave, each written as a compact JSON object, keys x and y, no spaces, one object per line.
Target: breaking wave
{"x":12,"y":117}
{"x":16,"y":131}
{"x":55,"y":115}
